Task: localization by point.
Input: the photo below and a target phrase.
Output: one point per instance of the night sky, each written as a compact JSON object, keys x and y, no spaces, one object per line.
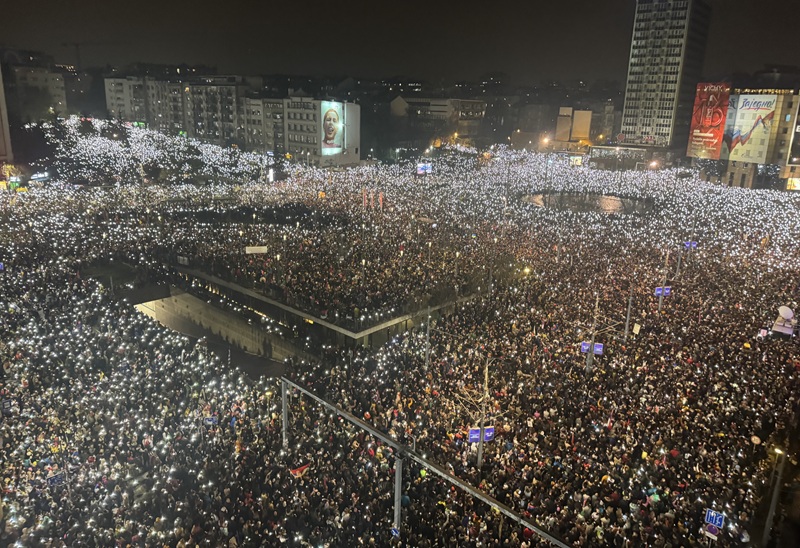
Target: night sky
{"x":437,"y":41}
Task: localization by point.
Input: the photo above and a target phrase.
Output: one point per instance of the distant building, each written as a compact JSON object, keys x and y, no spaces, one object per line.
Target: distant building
{"x":229,"y":111}
{"x":6,"y":155}
{"x":606,"y":121}
{"x":213,"y":105}
{"x":757,"y":143}
{"x":545,"y":127}
{"x":77,"y":87}
{"x":126,"y":98}
{"x":263,"y":124}
{"x":746,"y":137}
{"x":666,"y":57}
{"x":538,"y":120}
{"x":322,"y":133}
{"x":441,"y":116}
{"x":38,"y":92}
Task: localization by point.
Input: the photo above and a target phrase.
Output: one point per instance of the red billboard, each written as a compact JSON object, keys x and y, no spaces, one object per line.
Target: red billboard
{"x":708,"y":120}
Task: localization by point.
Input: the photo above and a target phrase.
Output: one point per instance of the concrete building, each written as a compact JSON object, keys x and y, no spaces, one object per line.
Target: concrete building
{"x":304,"y":130}
{"x":171,"y":115}
{"x":606,"y":121}
{"x":126,"y":98}
{"x":38,"y":91}
{"x":6,"y":155}
{"x":765,"y":140}
{"x":78,"y":88}
{"x":213,"y":105}
{"x":666,"y":58}
{"x":538,"y":120}
{"x":442,"y":116}
{"x":263,"y":120}
{"x":227,"y":111}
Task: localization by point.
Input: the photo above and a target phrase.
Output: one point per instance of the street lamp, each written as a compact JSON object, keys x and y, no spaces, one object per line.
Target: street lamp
{"x":780,"y":456}
{"x":545,"y":141}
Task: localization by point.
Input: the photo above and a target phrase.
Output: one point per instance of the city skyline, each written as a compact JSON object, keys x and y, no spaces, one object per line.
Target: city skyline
{"x":588,"y":41}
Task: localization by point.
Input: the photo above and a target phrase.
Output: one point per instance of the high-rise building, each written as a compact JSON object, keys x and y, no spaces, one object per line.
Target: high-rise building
{"x":5,"y":140}
{"x":666,"y":59}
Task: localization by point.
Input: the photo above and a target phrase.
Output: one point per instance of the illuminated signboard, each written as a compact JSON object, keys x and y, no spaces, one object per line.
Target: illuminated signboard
{"x":708,"y":120}
{"x":424,"y":169}
{"x":331,"y":127}
{"x":747,"y":128}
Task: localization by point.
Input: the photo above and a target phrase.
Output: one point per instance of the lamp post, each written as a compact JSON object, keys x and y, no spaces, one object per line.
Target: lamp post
{"x":590,"y":353}
{"x":780,"y":456}
{"x":628,"y":313}
{"x":663,"y":282}
{"x":545,"y":142}
{"x":484,"y":399}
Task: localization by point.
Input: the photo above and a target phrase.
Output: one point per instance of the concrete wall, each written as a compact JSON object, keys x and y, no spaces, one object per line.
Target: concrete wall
{"x":183,"y":311}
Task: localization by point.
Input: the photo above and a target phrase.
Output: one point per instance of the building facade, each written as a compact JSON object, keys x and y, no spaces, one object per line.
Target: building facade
{"x":758,"y":136}
{"x":322,"y":133}
{"x":228,"y":111}
{"x":126,"y":98}
{"x":441,"y":115}
{"x":213,"y":107}
{"x":39,"y":91}
{"x":6,"y":155}
{"x":666,"y":58}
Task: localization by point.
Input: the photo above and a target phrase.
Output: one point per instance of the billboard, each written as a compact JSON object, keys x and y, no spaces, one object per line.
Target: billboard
{"x":581,"y":124}
{"x":331,"y":127}
{"x":424,"y":169}
{"x":747,"y":128}
{"x":708,"y":120}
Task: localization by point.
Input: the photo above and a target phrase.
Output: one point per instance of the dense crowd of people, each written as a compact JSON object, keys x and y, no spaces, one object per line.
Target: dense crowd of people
{"x":116,"y":431}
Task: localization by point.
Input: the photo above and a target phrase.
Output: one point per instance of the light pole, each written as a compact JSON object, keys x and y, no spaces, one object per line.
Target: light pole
{"x":546,"y":141}
{"x":628,"y":314}
{"x":590,"y":353}
{"x":428,"y":339}
{"x":663,"y":283}
{"x":781,"y":455}
{"x":484,"y":399}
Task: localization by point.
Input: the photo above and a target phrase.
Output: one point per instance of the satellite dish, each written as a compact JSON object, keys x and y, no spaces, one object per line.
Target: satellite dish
{"x":786,"y":313}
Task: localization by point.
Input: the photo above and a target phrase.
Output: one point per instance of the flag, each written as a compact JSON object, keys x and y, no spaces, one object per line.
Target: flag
{"x":380,"y":200}
{"x":372,"y":199}
{"x":364,"y":196}
{"x":300,"y":472}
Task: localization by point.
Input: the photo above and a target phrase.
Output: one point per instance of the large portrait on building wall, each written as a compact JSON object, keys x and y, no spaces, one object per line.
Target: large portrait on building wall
{"x":748,"y":128}
{"x":332,"y":127}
